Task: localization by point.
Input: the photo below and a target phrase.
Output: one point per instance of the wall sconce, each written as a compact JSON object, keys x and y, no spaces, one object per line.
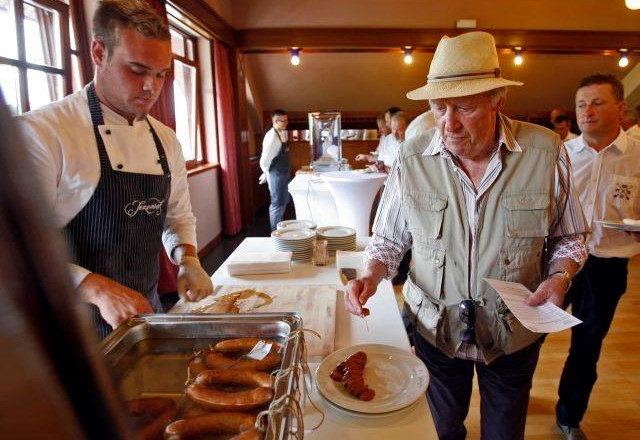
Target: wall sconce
{"x":632,"y":4}
{"x":518,"y":58}
{"x":295,"y":56}
{"x":408,"y":55}
{"x":624,"y":58}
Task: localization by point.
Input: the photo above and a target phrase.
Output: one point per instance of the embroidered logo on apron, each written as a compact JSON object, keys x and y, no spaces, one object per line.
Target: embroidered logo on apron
{"x":151,"y":206}
{"x":623,"y":191}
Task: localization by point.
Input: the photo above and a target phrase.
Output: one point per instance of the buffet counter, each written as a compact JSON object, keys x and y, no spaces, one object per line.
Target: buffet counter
{"x":384,"y":326}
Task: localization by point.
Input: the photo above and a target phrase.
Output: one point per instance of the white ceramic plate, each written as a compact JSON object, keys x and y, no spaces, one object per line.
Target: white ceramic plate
{"x":618,"y":226}
{"x":397,"y":376}
{"x":296,"y":224}
{"x":293,"y":234}
{"x":336,"y":231}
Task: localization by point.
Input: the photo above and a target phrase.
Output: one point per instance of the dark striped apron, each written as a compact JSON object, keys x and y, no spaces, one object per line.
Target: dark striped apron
{"x":118,"y":233}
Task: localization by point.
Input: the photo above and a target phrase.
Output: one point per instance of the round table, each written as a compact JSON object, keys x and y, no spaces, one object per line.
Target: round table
{"x":353,"y":193}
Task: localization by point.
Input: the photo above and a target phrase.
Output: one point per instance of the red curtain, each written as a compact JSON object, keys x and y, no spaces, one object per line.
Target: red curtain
{"x":163,"y":110}
{"x":231,"y":213}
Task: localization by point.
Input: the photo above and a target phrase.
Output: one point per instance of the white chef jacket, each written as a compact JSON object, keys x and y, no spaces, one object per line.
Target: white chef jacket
{"x":608,"y":183}
{"x":271,"y":147}
{"x":61,"y":145}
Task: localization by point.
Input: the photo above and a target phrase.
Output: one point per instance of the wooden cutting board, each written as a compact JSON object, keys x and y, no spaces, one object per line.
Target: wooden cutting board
{"x":315,"y":303}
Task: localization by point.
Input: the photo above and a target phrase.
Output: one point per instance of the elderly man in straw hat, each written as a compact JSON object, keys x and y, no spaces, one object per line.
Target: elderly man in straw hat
{"x":480,"y":196}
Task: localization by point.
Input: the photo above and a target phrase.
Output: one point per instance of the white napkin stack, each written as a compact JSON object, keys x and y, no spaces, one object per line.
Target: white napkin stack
{"x":256,"y":263}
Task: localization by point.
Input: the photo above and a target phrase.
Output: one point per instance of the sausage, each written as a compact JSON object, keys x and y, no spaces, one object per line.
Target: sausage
{"x":196,"y":366}
{"x":246,"y":378}
{"x":351,"y":373}
{"x":194,"y":410}
{"x":218,"y":361}
{"x":163,"y":411}
{"x":214,"y":423}
{"x":242,"y":345}
{"x":229,"y":401}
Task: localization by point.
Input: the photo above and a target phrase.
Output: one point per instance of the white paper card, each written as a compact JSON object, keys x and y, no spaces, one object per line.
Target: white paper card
{"x":545,"y":318}
{"x":260,"y":350}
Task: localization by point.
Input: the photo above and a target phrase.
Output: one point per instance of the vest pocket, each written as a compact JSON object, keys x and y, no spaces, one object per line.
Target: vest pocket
{"x":522,"y":264}
{"x":426,"y":311}
{"x":527,"y":215}
{"x":425,"y":213}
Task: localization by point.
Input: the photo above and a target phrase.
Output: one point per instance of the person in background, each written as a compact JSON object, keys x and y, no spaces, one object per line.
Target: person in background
{"x":113,"y":177}
{"x":384,"y":130}
{"x":420,"y":124}
{"x":629,"y":123}
{"x":482,"y":196}
{"x":561,"y":124}
{"x":276,"y":166}
{"x":606,"y":170}
{"x":388,"y":151}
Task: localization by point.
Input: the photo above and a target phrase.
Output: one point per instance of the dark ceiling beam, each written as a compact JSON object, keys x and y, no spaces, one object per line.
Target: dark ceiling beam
{"x":274,"y":40}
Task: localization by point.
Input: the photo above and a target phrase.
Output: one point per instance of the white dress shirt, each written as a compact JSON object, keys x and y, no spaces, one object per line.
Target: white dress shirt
{"x":270,"y":148}
{"x":61,"y":145}
{"x":389,"y":149}
{"x":608,"y":183}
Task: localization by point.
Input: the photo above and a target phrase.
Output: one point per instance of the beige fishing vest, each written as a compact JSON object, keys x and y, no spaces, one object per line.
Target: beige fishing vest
{"x":513,"y":221}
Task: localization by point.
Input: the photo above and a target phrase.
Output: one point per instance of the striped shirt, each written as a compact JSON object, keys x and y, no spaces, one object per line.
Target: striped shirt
{"x":391,"y":237}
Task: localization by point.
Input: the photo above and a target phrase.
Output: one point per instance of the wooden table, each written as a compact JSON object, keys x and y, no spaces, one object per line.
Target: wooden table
{"x":385,"y":327}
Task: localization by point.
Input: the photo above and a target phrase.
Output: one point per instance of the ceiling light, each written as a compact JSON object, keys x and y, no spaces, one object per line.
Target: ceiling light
{"x":518,"y":59}
{"x":408,"y":55}
{"x":632,"y":4}
{"x":295,"y":56}
{"x":624,"y":58}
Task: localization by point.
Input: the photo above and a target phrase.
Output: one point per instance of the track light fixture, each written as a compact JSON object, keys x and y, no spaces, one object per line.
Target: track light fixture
{"x":518,"y":58}
{"x":624,"y":58}
{"x":295,"y":56}
{"x":632,"y":4}
{"x":408,"y":55}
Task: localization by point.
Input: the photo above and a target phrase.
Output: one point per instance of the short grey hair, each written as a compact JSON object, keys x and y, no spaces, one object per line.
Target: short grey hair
{"x":498,"y":94}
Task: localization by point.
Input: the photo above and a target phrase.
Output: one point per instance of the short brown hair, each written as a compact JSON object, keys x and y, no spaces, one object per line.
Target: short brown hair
{"x":600,"y":78}
{"x":112,"y":16}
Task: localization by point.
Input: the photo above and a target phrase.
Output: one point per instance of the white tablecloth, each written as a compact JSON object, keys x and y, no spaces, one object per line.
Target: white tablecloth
{"x":313,"y":201}
{"x":385,"y":327}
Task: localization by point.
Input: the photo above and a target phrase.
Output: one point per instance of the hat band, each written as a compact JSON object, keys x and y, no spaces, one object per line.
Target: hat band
{"x":476,"y":75}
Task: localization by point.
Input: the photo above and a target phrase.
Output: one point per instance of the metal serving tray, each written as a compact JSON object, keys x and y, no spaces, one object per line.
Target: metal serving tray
{"x":148,"y":354}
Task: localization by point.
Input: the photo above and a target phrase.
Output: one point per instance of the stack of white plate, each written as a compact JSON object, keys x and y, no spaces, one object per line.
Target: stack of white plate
{"x":296,"y":224}
{"x":339,"y":238}
{"x":298,"y":241}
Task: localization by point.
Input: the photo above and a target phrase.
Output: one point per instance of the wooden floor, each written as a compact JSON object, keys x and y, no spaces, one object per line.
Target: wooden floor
{"x":614,"y":408}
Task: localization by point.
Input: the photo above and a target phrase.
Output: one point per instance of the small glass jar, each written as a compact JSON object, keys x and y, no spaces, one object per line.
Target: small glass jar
{"x":320,"y":254}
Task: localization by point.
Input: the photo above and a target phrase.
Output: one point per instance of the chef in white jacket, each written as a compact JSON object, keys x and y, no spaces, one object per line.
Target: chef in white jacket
{"x":114,"y":178}
{"x":276,"y":166}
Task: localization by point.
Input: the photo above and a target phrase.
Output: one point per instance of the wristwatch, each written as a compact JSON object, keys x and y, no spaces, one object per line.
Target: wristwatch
{"x":565,"y":274}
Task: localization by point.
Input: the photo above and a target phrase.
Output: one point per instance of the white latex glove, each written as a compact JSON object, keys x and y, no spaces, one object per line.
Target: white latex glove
{"x":262,"y":179}
{"x":193,"y":282}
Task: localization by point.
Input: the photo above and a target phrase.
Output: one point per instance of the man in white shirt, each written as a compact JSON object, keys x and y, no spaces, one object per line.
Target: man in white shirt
{"x":390,"y":147}
{"x":561,"y":124}
{"x":606,"y":170}
{"x":114,"y":178}
{"x":276,"y":166}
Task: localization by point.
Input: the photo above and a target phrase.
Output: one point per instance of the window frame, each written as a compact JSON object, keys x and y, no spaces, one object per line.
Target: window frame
{"x":189,"y":35}
{"x":21,"y":62}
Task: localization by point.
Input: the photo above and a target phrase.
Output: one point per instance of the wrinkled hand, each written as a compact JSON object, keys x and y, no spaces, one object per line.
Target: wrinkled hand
{"x":552,"y":289}
{"x":358,"y":293}
{"x":262,"y":179}
{"x":115,"y":302}
{"x":361,"y":157}
{"x":193,"y":282}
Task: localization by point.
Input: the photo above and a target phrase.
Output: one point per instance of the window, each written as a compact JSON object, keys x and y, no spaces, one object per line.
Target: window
{"x":187,"y":93}
{"x":35,"y":53}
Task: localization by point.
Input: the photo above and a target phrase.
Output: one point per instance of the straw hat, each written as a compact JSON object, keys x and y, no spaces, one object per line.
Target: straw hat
{"x":462,"y":66}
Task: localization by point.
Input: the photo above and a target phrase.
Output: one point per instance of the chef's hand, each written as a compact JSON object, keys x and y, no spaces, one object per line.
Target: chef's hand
{"x":262,"y":179}
{"x":193,"y":282}
{"x":115,"y":302}
{"x":552,"y":289}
